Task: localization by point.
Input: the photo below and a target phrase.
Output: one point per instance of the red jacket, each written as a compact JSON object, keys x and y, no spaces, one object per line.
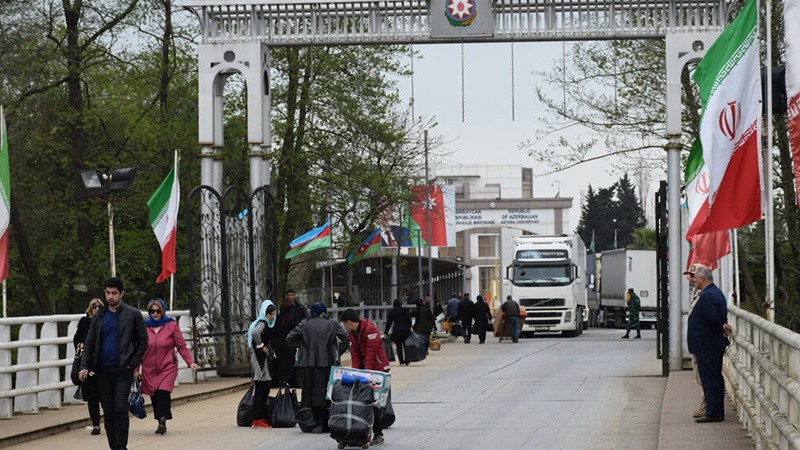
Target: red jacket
{"x":160,"y":364}
{"x":366,"y":348}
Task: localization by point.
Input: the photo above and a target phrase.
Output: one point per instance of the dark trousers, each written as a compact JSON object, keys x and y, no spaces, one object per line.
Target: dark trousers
{"x":466,"y":329}
{"x":377,"y":427}
{"x":94,"y":413}
{"x":481,"y":329}
{"x":115,"y":387}
{"x":401,"y":352}
{"x":709,"y":366}
{"x":162,"y":405}
{"x":260,"y":395}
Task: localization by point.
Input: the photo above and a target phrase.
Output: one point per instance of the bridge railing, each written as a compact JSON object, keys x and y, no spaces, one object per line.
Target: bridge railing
{"x":38,"y":377}
{"x":762,"y":368}
{"x":35,"y":376}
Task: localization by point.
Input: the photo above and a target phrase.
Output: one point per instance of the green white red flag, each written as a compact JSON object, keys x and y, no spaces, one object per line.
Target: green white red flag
{"x":730,"y":127}
{"x":706,"y":248}
{"x":791,"y":28}
{"x":164,"y":206}
{"x":5,"y":197}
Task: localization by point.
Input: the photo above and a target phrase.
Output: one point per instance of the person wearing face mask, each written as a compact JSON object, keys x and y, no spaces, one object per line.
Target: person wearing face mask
{"x":159,"y":368}
{"x":258,"y":342}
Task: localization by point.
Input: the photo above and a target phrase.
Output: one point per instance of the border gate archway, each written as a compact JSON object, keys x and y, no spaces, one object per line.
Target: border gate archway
{"x":236,"y":37}
{"x":232,"y":267}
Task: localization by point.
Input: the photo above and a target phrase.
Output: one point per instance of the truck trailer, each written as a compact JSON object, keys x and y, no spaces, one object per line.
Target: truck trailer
{"x":547,"y":278}
{"x":624,"y":269}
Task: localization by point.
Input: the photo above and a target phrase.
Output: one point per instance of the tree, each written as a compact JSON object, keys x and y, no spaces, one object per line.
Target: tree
{"x":611,"y":215}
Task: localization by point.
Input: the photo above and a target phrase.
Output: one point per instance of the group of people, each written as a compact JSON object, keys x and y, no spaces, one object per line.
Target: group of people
{"x":319,"y":343}
{"x":477,"y":317}
{"x":399,"y":326}
{"x":118,"y":345}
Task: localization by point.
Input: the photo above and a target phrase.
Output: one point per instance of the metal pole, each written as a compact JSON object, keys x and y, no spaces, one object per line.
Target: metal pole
{"x":112,"y":254}
{"x":769,"y":223}
{"x":428,"y":214}
{"x":419,"y":260}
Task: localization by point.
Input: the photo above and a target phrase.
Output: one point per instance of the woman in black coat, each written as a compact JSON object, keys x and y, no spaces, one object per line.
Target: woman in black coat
{"x":284,"y":353}
{"x":89,"y":390}
{"x":483,"y":316}
{"x":400,"y":318}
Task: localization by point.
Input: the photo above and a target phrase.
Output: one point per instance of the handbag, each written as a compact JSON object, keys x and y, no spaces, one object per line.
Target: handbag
{"x":244,"y":412}
{"x":283,"y":409}
{"x":136,"y":401}
{"x":76,"y":368}
{"x":78,"y":395}
{"x":387,"y":347}
{"x":386,"y":414}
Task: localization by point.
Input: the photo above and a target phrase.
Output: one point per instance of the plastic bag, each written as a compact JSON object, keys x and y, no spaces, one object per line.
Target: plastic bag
{"x":414,"y":348}
{"x":76,"y":368}
{"x":136,"y":401}
{"x":387,"y":346}
{"x":386,"y":414}
{"x":283,"y":409}
{"x":244,"y":412}
{"x":305,"y":419}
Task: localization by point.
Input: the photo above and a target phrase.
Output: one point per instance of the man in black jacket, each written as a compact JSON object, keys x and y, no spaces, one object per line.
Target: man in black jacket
{"x":115,"y":345}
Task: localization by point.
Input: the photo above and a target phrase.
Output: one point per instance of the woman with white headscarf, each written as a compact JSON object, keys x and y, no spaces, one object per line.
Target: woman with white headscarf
{"x":258,"y":342}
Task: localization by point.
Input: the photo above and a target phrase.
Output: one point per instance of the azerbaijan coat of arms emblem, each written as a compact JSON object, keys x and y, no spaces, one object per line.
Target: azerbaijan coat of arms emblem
{"x":460,"y":13}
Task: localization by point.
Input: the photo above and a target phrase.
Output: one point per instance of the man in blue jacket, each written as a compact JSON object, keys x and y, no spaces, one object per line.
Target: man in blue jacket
{"x":707,"y":336}
{"x":115,"y":345}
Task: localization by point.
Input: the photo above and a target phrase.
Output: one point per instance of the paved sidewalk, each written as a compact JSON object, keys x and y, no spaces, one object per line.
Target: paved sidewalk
{"x":678,"y":428}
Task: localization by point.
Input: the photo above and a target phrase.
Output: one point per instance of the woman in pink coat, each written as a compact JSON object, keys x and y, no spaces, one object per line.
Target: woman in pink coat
{"x":159,"y":368}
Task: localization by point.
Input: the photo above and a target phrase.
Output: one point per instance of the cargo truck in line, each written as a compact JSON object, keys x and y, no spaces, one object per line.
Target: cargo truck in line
{"x":548,"y":279}
{"x":620,"y":270}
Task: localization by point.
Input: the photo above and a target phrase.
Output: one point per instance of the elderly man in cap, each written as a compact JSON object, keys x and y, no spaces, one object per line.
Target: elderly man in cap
{"x":707,"y":336}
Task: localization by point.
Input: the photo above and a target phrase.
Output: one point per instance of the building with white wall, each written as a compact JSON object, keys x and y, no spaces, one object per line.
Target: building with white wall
{"x":495,"y":204}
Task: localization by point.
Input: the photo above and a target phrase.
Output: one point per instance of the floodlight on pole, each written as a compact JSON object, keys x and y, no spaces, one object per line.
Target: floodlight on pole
{"x":98,"y":183}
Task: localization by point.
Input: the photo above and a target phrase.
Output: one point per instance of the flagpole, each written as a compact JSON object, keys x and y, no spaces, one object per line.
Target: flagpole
{"x":735,"y":250}
{"x":428,"y":217}
{"x":172,"y":275}
{"x":769,"y":223}
{"x":5,"y":300}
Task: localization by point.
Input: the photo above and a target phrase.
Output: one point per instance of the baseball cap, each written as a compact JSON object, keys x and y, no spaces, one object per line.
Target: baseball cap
{"x":692,"y":269}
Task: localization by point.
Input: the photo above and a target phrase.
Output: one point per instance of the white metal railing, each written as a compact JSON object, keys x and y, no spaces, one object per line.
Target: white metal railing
{"x":348,"y":22}
{"x":39,"y":378}
{"x":762,"y":368}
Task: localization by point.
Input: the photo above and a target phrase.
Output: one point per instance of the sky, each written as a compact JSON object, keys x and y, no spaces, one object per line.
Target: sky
{"x":492,"y":130}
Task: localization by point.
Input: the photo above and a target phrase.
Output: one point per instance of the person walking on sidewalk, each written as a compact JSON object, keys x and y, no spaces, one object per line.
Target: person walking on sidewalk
{"x":510,"y":309}
{"x":483,"y":316}
{"x":400,"y":319}
{"x":89,"y":390}
{"x":707,"y":336}
{"x":425,"y":322}
{"x":159,"y":368}
{"x":366,"y":352}
{"x":634,"y":305}
{"x":258,"y":342}
{"x":466,"y":310}
{"x":115,"y":345}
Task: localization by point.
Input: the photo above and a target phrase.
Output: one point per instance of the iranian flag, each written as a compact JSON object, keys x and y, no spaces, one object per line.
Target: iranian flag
{"x":164,"y":205}
{"x":5,"y":196}
{"x":706,"y":248}
{"x":730,"y":129}
{"x":438,"y":201}
{"x":791,"y":20}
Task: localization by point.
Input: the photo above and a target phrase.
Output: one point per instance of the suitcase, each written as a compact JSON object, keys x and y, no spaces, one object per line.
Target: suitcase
{"x":351,"y":414}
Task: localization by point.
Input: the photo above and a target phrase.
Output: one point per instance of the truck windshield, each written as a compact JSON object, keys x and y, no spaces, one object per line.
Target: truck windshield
{"x":529,"y":275}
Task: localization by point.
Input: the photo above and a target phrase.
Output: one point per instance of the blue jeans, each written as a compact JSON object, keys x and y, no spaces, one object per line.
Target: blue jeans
{"x":514,"y":323}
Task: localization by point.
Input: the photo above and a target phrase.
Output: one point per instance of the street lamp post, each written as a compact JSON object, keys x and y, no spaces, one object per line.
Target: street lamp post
{"x":97,"y":183}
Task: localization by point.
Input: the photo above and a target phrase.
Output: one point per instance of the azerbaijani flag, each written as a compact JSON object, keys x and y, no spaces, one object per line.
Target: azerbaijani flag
{"x":791,"y":26}
{"x":164,"y":206}
{"x":730,"y":128}
{"x":5,"y":196}
{"x":313,"y":240}
{"x":370,"y":246}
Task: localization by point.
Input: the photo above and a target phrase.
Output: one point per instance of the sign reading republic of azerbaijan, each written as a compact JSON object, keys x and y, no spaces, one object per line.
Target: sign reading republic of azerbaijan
{"x":461,"y":18}
{"x":469,"y":218}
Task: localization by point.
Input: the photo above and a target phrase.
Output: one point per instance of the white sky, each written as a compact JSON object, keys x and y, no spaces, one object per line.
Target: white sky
{"x":488,"y":134}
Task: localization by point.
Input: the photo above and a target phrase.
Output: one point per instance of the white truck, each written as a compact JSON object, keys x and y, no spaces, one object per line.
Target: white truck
{"x":548,"y":280}
{"x":624,"y":269}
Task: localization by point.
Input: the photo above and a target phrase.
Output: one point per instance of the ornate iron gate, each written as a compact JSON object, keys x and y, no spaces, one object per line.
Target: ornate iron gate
{"x":233,"y":266}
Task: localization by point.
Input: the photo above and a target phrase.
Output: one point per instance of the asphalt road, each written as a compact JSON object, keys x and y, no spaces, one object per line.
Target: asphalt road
{"x":595,"y":391}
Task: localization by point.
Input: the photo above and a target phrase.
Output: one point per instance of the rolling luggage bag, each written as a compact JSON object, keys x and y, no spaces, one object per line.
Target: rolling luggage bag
{"x":351,"y":414}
